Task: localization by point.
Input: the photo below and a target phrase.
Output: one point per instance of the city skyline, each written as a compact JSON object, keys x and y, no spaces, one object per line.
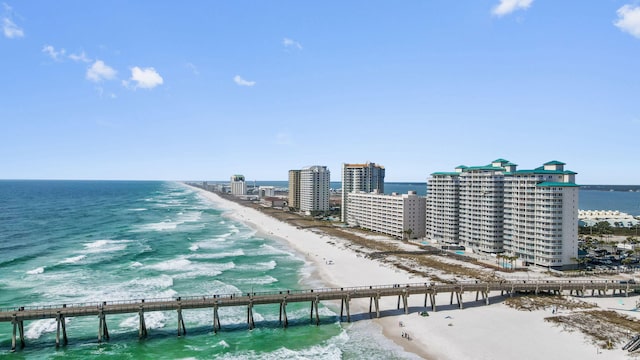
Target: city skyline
{"x":155,"y":91}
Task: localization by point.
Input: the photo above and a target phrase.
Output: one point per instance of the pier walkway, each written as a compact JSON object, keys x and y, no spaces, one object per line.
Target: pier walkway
{"x":17,"y":315}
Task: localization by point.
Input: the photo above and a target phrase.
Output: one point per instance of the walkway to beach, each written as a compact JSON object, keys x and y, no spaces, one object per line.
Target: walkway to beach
{"x":18,"y":315}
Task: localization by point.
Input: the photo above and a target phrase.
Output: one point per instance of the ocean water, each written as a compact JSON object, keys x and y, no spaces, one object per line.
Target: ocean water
{"x":93,"y":241}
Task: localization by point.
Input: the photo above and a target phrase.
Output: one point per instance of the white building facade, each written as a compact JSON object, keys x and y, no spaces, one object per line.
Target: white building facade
{"x":238,"y":185}
{"x":314,"y":189}
{"x":367,"y":177}
{"x":401,"y":216}
{"x":541,"y":215}
{"x":443,"y":207}
{"x":529,"y":214}
{"x":266,"y":191}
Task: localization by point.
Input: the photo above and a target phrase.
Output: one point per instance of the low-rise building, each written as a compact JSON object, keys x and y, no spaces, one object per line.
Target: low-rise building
{"x":401,"y":216}
{"x":274,"y":202}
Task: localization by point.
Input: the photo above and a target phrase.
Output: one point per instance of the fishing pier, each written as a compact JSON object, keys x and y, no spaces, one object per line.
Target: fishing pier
{"x":18,"y":315}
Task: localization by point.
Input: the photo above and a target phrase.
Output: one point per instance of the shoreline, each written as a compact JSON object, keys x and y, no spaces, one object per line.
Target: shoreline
{"x":317,"y":251}
{"x":492,"y":332}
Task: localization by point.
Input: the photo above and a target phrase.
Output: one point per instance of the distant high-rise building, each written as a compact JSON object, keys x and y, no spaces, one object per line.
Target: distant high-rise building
{"x":314,"y":189}
{"x":367,"y":178}
{"x":238,"y":185}
{"x":294,"y":189}
{"x":530,"y":214}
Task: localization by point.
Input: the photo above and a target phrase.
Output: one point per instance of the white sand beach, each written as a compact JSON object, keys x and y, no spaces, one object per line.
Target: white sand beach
{"x":479,"y":331}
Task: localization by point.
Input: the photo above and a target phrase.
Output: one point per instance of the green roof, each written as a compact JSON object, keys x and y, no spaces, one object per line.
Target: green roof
{"x":461,"y":167}
{"x":444,"y":173}
{"x":500,"y":161}
{"x":541,"y":171}
{"x":484,"y":168}
{"x":554,"y":162}
{"x":557,"y":184}
{"x":509,"y":164}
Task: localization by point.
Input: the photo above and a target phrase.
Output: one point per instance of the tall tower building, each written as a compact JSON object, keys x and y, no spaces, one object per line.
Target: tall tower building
{"x":238,"y":185}
{"x":541,"y":215}
{"x":530,"y":214}
{"x":294,"y":189}
{"x":314,"y":189}
{"x":367,"y":178}
{"x":443,"y":207}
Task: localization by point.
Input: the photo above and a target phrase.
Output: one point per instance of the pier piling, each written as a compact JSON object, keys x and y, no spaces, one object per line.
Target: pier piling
{"x":250,"y":321}
{"x":142,"y":329}
{"x":216,"y":319}
{"x":182,"y":330}
{"x":18,"y":325}
{"x":103,"y":330}
{"x":315,"y":306}
{"x":283,"y":311}
{"x":61,"y":324}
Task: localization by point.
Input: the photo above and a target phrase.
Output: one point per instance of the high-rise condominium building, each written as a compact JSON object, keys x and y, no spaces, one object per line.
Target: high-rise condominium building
{"x":314,"y":189}
{"x":541,"y":215}
{"x":531,"y":214}
{"x":294,"y":189}
{"x":401,"y":216}
{"x":238,"y":185}
{"x":367,"y":177}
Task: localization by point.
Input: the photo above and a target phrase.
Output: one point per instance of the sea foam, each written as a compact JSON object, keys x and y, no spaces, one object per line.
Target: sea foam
{"x":39,"y":327}
{"x":36,"y":271}
{"x":73,"y":260}
{"x":100,"y":246}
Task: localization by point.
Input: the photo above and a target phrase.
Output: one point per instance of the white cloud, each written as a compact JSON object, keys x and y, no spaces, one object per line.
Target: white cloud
{"x":193,"y":68}
{"x":53,"y":53}
{"x":82,"y":57}
{"x":289,"y":43}
{"x":10,"y":29}
{"x":242,"y":82}
{"x":629,"y":19}
{"x":100,"y":71}
{"x":145,"y":78}
{"x":508,"y":6}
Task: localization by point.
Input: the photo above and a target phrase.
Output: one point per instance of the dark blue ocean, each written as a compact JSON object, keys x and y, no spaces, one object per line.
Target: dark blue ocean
{"x":66,"y":242}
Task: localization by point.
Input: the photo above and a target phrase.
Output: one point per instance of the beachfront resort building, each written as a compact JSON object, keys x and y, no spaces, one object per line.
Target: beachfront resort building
{"x":314,"y":189}
{"x":529,"y":214}
{"x":398,"y":215}
{"x":238,"y":185}
{"x":367,"y":177}
{"x":294,"y":189}
{"x":615,"y":218}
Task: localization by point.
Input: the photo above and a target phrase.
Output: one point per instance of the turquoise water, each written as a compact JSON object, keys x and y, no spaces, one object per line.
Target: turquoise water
{"x":92,"y":241}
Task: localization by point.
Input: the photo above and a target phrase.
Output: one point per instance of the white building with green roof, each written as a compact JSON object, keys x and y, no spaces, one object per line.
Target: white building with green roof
{"x":530,"y":214}
{"x":541,"y":215}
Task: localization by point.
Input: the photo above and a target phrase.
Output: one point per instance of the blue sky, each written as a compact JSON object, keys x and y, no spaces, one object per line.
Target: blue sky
{"x":206,"y":89}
